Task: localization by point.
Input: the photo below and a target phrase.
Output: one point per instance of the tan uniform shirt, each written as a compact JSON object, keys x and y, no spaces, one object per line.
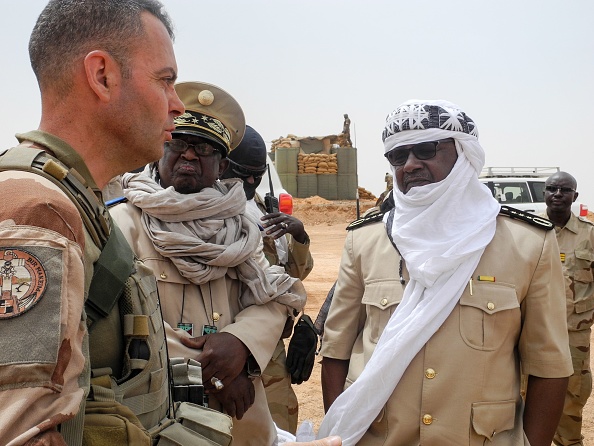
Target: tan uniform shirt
{"x":463,"y":387}
{"x":576,"y":247}
{"x":47,"y":256}
{"x":259,"y":326}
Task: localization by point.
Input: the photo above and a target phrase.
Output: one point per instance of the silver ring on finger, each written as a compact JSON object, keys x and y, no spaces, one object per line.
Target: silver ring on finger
{"x":284,"y":225}
{"x":217,"y":383}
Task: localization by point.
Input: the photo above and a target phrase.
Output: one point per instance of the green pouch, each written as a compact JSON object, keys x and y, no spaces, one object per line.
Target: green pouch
{"x":108,"y":423}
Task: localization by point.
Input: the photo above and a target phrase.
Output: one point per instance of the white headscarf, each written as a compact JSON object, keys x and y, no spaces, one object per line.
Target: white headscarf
{"x":441,"y":231}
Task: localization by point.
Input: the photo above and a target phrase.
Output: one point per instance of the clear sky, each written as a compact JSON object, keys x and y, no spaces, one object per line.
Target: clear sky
{"x":523,"y":70}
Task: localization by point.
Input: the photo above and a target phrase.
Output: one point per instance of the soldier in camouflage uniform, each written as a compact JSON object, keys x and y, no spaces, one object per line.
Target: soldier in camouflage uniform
{"x":575,"y":236}
{"x":82,"y":55}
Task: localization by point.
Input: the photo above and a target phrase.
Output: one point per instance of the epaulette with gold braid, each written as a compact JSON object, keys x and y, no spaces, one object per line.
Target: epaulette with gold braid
{"x":532,"y":219}
{"x":366,"y":219}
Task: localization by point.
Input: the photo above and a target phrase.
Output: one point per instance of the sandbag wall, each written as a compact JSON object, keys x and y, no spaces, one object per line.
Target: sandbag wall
{"x":330,"y":176}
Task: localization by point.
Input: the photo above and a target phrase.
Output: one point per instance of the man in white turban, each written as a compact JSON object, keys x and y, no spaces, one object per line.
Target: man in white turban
{"x":442,"y":304}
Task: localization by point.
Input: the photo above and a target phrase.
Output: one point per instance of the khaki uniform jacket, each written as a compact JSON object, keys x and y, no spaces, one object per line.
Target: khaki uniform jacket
{"x":259,"y":327}
{"x":576,"y":246}
{"x":463,"y":387}
{"x":43,"y":369}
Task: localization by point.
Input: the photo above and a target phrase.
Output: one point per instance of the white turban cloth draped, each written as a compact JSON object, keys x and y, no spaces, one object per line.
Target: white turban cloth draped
{"x":441,"y":231}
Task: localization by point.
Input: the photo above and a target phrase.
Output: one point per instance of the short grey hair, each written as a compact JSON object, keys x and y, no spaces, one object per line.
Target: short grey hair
{"x":67,"y":30}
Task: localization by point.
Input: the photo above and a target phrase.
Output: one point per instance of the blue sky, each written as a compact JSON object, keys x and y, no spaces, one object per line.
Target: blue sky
{"x":522,"y":70}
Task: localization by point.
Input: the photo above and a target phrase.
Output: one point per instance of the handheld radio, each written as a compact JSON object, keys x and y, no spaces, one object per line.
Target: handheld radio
{"x":270,"y":201}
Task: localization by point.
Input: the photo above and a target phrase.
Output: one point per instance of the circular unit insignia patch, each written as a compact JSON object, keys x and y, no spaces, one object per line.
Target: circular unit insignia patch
{"x":23,"y":281}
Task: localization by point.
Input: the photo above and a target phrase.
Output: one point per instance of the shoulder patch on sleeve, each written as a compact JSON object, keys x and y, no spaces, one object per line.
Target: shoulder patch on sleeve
{"x":585,"y":220}
{"x":365,"y":220}
{"x":23,"y":280}
{"x":532,"y":219}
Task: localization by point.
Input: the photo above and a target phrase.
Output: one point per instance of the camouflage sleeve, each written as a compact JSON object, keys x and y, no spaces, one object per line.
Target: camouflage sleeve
{"x":41,"y":307}
{"x":300,"y":261}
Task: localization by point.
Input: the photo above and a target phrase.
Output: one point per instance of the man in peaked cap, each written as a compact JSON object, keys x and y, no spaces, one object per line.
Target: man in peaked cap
{"x":440,"y":305}
{"x":225,"y":307}
{"x":212,"y":114}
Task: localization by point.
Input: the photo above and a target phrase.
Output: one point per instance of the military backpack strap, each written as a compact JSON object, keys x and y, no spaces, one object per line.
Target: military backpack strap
{"x":110,"y":273}
{"x":116,"y":261}
{"x":532,"y":219}
{"x":93,"y":213}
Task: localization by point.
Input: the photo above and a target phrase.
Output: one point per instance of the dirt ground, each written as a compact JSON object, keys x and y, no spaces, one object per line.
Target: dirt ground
{"x":325,"y":222}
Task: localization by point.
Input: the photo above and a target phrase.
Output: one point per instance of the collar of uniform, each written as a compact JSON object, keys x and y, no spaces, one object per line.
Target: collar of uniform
{"x":61,"y":150}
{"x":572,"y":224}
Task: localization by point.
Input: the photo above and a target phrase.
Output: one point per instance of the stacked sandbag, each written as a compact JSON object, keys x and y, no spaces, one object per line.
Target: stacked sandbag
{"x":327,"y":164}
{"x":288,"y":141}
{"x":307,"y":163}
{"x":318,"y":163}
{"x":364,"y":194}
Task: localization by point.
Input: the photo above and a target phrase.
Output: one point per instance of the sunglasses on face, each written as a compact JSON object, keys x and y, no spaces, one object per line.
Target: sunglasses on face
{"x":422,"y":151}
{"x":200,"y":149}
{"x":245,"y":172}
{"x":563,"y":190}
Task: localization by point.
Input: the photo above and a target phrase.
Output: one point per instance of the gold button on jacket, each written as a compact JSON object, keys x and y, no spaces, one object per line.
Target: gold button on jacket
{"x":427,"y":419}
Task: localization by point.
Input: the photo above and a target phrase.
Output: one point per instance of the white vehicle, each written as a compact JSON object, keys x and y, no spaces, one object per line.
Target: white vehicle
{"x":523,"y":187}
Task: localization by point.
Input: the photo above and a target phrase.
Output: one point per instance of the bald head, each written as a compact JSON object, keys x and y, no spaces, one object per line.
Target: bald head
{"x":560,"y":193}
{"x":564,"y":177}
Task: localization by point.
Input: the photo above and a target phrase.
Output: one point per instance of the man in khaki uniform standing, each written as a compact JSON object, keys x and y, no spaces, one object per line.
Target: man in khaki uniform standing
{"x":575,"y":236}
{"x":438,"y":307}
{"x":223,"y":303}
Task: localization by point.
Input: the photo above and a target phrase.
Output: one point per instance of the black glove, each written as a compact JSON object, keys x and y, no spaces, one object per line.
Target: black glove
{"x":302,"y":350}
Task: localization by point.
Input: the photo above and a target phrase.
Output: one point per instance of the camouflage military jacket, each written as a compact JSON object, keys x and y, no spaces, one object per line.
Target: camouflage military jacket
{"x":46,"y":272}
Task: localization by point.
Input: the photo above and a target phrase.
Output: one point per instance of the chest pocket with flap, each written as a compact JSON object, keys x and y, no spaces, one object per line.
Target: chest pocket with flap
{"x":489,"y":315}
{"x":381,"y":300}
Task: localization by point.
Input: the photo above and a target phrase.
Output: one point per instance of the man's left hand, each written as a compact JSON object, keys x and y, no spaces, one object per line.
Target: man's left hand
{"x":237,"y":396}
{"x":223,"y":356}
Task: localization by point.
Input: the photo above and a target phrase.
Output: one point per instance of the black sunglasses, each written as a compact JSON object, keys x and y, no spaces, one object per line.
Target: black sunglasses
{"x":245,"y":172}
{"x":563,"y":190}
{"x":422,"y":151}
{"x":200,"y":149}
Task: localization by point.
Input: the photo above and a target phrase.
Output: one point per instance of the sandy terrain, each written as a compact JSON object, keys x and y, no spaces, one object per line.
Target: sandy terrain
{"x":325,"y":223}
